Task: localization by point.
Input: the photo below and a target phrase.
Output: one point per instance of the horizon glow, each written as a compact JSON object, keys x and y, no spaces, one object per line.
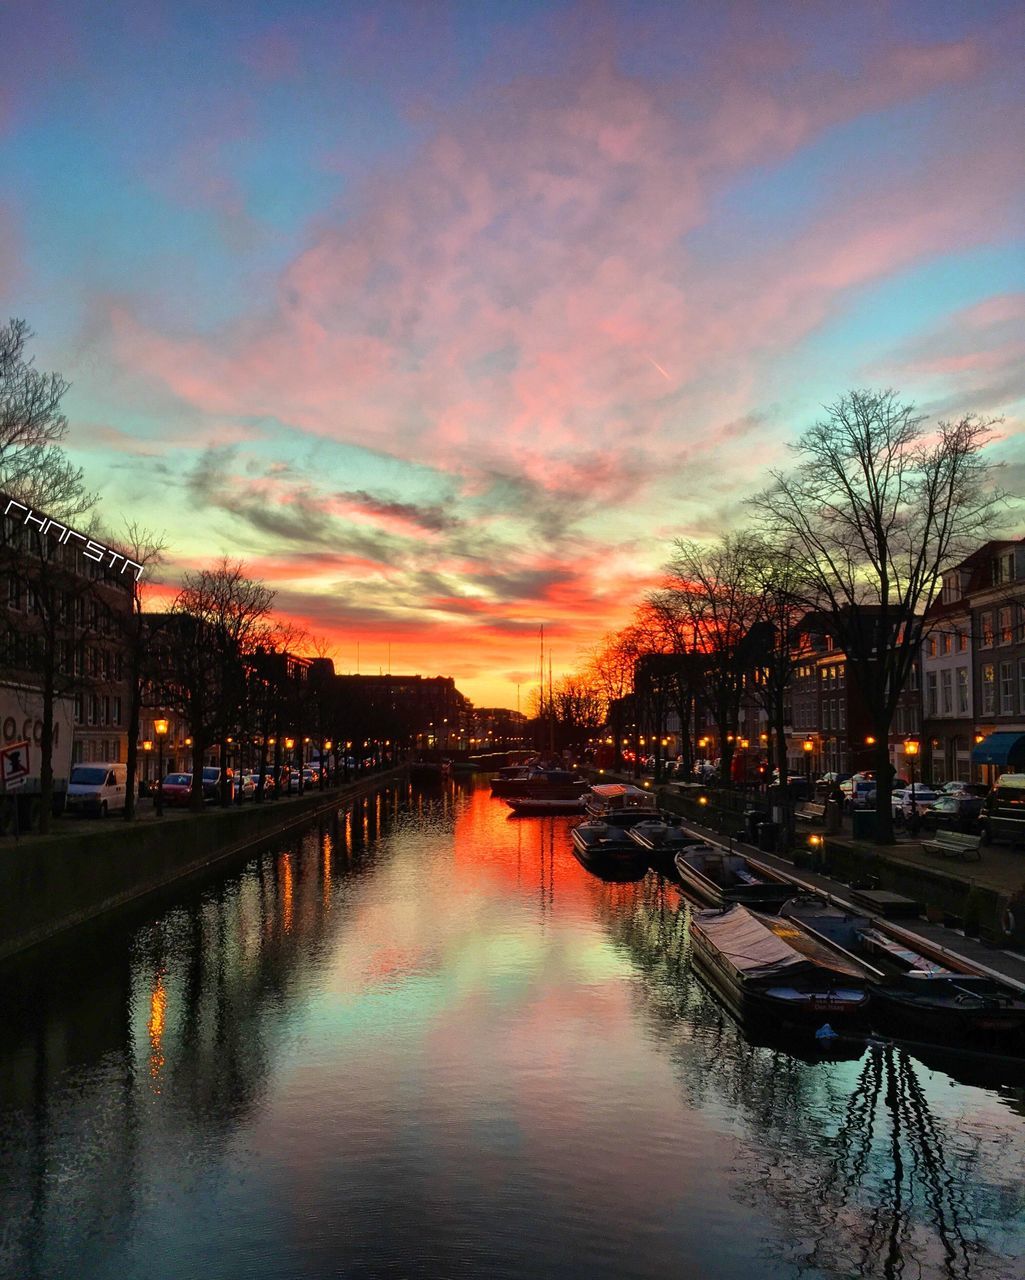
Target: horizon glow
{"x":447,"y":319}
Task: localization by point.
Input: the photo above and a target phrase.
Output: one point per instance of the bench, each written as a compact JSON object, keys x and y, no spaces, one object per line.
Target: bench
{"x":811,"y":813}
{"x":952,"y":844}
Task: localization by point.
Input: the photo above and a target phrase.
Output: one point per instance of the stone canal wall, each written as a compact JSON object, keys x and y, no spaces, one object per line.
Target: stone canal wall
{"x":51,"y":885}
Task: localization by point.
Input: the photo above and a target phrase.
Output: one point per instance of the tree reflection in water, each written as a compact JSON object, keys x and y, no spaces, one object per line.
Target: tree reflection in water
{"x":865,"y":1175}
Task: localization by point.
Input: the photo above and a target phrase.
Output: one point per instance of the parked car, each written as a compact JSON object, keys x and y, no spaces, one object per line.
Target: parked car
{"x":212,"y":783}
{"x":98,"y":789}
{"x":1003,"y":812}
{"x":862,"y":794}
{"x":953,"y":813}
{"x":176,"y":788}
{"x":977,"y":789}
{"x":922,"y":796}
{"x":828,"y":781}
{"x":247,"y":786}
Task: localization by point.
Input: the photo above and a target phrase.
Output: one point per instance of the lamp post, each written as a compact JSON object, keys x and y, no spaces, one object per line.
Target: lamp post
{"x":911,"y":750}
{"x":809,"y":747}
{"x":160,"y":729}
{"x":147,"y":746}
{"x":289,"y":748}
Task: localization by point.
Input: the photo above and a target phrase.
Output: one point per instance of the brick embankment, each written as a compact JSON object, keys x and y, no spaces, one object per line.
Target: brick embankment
{"x":51,"y":884}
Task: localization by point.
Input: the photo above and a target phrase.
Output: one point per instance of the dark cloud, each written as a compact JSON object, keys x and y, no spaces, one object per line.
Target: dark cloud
{"x":434,"y":518}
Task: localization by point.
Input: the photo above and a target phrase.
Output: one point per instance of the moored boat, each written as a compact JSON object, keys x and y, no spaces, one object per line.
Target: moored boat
{"x":718,"y":877}
{"x":597,"y":840}
{"x":538,"y":806}
{"x":620,"y":804}
{"x":527,"y":780}
{"x":912,"y":993}
{"x":763,"y":975}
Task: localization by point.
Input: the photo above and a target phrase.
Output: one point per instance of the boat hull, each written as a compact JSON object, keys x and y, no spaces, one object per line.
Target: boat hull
{"x":900,"y":1007}
{"x":539,"y":806}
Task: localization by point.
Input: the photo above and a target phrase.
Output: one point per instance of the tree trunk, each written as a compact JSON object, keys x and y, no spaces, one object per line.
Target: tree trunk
{"x":196,"y":798}
{"x":134,"y":716}
{"x":46,"y":746}
{"x":884,"y":781}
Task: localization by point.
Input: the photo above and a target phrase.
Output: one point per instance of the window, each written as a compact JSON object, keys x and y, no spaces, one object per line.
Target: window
{"x":78,"y":708}
{"x":842,"y":708}
{"x":841,"y":676}
{"x":117,"y":710}
{"x":1006,"y":688}
{"x":106,"y":708}
{"x":94,"y":708}
{"x":1003,"y":568}
{"x":962,"y":689}
{"x":945,"y":642}
{"x":947,"y":689}
{"x":962,"y":642}
{"x":913,"y":679}
{"x":1006,"y":625}
{"x":118,"y":665}
{"x":989,"y":689}
{"x":931,"y":647}
{"x":13,"y":592}
{"x":986,"y":626}
{"x":898,"y":721}
{"x":930,"y":687}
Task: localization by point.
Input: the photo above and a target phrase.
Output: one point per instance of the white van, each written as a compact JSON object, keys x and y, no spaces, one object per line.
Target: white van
{"x":97,"y":788}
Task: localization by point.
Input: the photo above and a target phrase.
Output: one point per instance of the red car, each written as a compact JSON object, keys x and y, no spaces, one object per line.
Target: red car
{"x":177,"y":788}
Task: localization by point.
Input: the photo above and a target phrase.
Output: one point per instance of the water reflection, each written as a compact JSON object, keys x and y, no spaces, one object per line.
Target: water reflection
{"x":423,"y":1040}
{"x":873,"y":1175}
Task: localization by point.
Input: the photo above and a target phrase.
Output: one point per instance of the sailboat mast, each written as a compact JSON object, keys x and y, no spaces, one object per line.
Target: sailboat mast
{"x":551,"y":708}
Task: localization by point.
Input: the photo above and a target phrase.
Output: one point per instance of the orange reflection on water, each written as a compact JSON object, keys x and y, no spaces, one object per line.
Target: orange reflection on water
{"x":326,"y":870}
{"x":157,"y":1020}
{"x":286,"y":892}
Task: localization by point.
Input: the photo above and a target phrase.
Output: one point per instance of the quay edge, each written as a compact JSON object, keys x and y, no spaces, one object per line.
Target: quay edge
{"x":53,"y":886}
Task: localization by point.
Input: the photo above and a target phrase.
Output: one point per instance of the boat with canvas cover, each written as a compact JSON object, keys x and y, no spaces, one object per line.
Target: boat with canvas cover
{"x":716,"y":876}
{"x":763,"y":972}
{"x":619,"y":804}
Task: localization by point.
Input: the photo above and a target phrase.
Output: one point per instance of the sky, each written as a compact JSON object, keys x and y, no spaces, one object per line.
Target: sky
{"x":447,"y":318}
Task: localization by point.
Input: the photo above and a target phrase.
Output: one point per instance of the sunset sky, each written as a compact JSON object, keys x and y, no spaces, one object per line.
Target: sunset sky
{"x":447,"y":318}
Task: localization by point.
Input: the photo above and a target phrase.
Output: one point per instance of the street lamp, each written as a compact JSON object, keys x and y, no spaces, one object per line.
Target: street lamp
{"x":160,"y":729}
{"x":911,"y":746}
{"x":809,"y":747}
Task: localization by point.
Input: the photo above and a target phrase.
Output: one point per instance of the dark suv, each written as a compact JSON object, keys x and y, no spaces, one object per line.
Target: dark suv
{"x":1003,"y":812}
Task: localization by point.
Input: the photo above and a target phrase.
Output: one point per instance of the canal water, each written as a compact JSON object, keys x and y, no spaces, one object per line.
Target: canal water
{"x":420,"y":1039}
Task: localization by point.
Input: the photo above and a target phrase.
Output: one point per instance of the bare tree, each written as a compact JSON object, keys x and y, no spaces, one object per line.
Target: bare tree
{"x":611,"y":665}
{"x":207,"y":638}
{"x":712,"y":591}
{"x":32,"y":465}
{"x":877,"y":509}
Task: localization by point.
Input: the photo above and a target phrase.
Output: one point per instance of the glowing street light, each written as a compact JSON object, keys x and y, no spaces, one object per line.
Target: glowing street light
{"x":160,"y":729}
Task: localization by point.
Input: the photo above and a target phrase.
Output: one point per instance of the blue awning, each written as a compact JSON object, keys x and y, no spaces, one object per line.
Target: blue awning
{"x":1000,"y":748}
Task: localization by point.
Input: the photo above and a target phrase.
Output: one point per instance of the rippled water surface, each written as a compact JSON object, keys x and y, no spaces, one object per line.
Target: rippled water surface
{"x":422,"y":1040}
